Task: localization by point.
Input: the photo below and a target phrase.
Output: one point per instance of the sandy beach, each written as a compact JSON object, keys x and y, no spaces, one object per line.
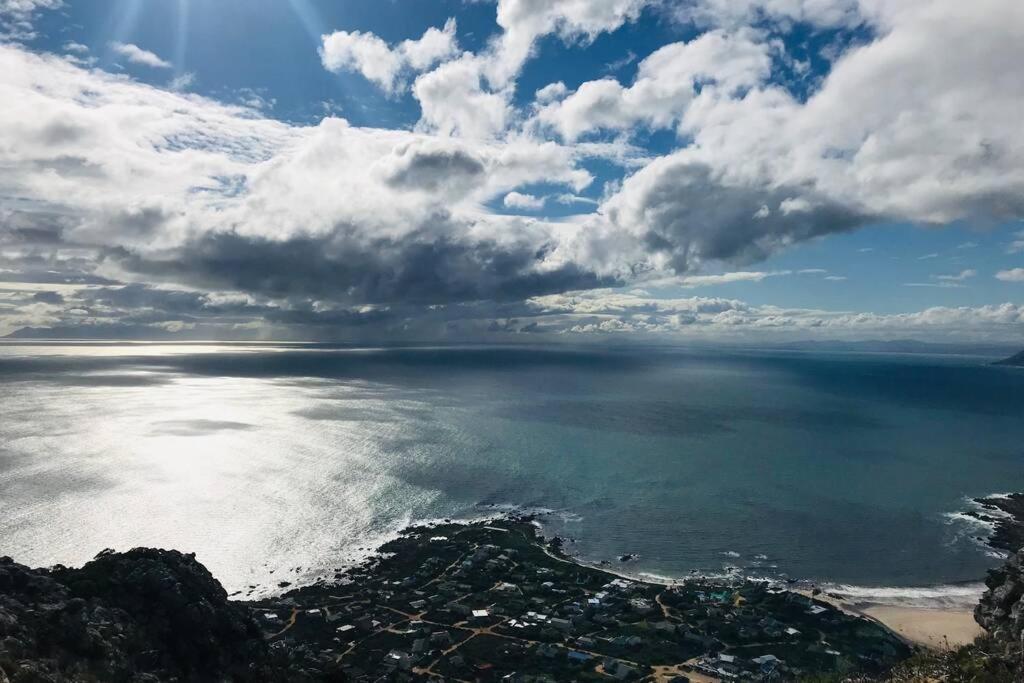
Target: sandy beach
{"x":932,"y":628}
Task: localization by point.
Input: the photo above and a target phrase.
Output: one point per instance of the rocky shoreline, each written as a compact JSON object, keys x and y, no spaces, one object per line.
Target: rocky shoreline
{"x":479,"y":601}
{"x":1006,"y":516}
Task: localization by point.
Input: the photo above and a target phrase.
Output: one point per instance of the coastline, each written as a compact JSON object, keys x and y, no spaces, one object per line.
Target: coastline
{"x":931,"y":627}
{"x":934,"y":628}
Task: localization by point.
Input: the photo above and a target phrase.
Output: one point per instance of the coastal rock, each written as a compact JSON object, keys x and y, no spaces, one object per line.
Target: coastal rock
{"x":1001,"y":609}
{"x":138,"y":616}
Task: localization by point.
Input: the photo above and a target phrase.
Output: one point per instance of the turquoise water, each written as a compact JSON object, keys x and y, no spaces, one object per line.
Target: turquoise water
{"x":271,"y":461}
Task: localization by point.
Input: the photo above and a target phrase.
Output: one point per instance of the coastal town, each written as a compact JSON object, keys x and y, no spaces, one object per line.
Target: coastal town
{"x":496,"y":602}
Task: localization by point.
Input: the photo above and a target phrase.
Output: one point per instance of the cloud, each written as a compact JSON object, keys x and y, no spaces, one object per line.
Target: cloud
{"x":823,"y":14}
{"x":728,"y":278}
{"x":850,"y":154}
{"x":682,"y":212}
{"x":1017,"y":246}
{"x":614,"y":312}
{"x":108,"y":182}
{"x":527,"y":202}
{"x":77,"y":48}
{"x":453,"y":101}
{"x":471,"y":96}
{"x":147,"y":185}
{"x":17,"y":16}
{"x":665,"y":84}
{"x":1012,"y":275}
{"x":551,"y":92}
{"x":946,"y":281}
{"x":383,"y":64}
{"x":136,"y":55}
{"x":959,"y":277}
{"x":183,"y":81}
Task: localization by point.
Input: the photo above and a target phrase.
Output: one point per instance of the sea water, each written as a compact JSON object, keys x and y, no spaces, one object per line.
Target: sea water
{"x":280,"y":463}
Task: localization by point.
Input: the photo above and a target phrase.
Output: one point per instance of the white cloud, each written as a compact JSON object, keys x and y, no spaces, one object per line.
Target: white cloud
{"x":566,"y":198}
{"x":728,"y":278}
{"x":182,"y":81}
{"x":551,"y":92}
{"x":78,"y":48}
{"x":136,"y":55}
{"x":822,"y":13}
{"x":1012,"y":275}
{"x":614,"y":311}
{"x":383,"y":64}
{"x":471,"y":96}
{"x":665,"y":84}
{"x":454,"y":101}
{"x":166,"y":184}
{"x":945,"y":149}
{"x":959,"y":277}
{"x":527,"y":202}
{"x":17,"y":16}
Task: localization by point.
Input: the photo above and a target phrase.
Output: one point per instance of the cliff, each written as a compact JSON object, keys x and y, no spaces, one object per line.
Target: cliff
{"x":144,"y":615}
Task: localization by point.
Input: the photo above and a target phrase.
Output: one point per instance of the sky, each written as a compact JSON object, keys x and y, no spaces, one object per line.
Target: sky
{"x":512,"y":170}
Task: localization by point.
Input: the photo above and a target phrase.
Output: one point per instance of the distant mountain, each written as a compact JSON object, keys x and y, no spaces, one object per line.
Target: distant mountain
{"x":1013,"y":360}
{"x":897,"y":346}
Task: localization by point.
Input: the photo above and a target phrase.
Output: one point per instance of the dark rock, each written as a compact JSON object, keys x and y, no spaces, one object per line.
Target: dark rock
{"x":1001,"y":609}
{"x":144,"y":615}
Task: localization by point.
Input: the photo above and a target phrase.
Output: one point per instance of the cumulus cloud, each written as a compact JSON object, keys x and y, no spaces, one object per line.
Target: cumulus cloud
{"x":109,"y":183}
{"x":1011,"y":275}
{"x":665,"y":84}
{"x":383,"y":64}
{"x":893,"y":132}
{"x":610,"y":312}
{"x":17,"y":16}
{"x":518,"y":200}
{"x":825,"y":14}
{"x":136,"y":55}
{"x":150,"y":185}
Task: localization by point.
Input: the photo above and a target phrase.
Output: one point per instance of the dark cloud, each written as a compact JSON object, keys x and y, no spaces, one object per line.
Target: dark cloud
{"x":48,"y":298}
{"x":685,"y":209}
{"x":422,"y":268}
{"x":433,"y":168}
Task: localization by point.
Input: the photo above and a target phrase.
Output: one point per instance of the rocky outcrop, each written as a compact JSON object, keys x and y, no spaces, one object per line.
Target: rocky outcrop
{"x":140,"y":616}
{"x":1001,"y":609}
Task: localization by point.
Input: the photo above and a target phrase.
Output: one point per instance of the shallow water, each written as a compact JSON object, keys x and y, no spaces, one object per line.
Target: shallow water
{"x":278,"y":463}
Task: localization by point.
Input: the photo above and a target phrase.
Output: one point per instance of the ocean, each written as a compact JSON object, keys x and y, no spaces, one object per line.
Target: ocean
{"x":281,"y":463}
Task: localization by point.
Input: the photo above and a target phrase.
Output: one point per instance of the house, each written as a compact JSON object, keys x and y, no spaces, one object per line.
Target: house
{"x":561,"y":624}
{"x":619,"y":670}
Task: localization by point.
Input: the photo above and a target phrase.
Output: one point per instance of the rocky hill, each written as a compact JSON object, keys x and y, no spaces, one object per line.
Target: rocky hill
{"x":144,"y":615}
{"x":1001,"y":609}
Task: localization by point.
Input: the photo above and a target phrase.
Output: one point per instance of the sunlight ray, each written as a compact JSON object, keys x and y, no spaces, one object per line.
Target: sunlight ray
{"x":309,"y":17}
{"x":181,"y":37}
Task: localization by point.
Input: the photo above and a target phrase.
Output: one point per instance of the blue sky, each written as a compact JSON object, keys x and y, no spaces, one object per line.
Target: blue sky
{"x":814,"y":157}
